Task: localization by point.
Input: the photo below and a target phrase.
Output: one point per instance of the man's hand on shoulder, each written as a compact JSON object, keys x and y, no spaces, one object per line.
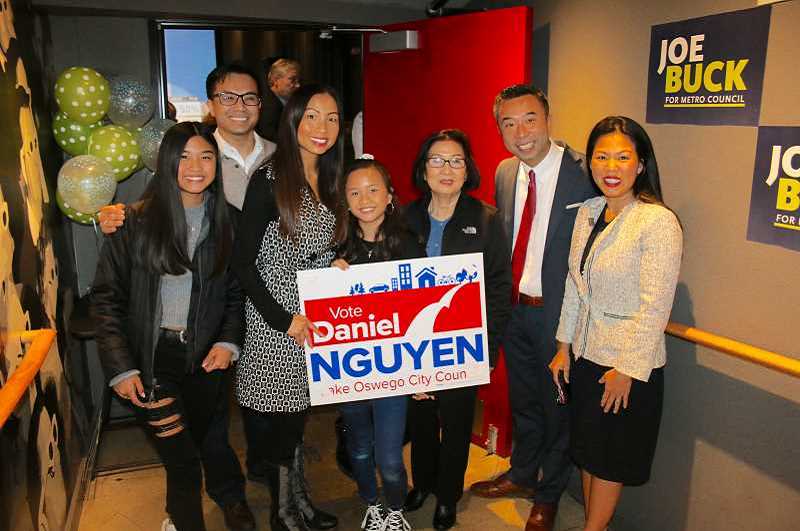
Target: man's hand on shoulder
{"x":111,"y":218}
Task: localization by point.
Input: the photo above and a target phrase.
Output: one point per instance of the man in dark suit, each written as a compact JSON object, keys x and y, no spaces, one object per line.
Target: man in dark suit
{"x":283,"y":78}
{"x":538,"y":192}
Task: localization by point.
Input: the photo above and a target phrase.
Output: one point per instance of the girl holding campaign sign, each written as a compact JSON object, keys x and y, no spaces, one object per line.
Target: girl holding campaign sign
{"x":371,"y":230}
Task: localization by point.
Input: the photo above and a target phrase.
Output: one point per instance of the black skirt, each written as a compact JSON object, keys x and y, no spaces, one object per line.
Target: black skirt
{"x":613,"y":447}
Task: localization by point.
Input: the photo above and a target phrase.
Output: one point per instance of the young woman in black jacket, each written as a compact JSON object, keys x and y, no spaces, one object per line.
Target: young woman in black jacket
{"x":452,"y":222}
{"x":169,"y":310}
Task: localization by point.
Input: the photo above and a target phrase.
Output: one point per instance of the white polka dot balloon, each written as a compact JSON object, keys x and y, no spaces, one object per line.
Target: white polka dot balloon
{"x":117,"y":146}
{"x":82,"y":94}
{"x":71,"y":136}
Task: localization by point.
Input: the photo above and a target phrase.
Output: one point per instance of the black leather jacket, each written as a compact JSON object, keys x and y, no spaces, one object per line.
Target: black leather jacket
{"x":126,"y":305}
{"x":475,"y":228}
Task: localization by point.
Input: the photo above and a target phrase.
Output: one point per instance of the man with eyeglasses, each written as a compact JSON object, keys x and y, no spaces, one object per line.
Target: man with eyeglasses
{"x":234,"y":103}
{"x":283,"y":79}
{"x":538,"y":192}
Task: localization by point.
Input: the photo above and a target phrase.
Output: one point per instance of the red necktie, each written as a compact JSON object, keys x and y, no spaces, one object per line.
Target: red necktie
{"x":523,"y":235}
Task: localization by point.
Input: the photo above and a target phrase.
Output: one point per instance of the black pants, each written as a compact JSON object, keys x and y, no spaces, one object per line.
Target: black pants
{"x":223,"y":473}
{"x":179,"y":428}
{"x":271,"y":438}
{"x":438,"y":466}
{"x":540,"y":425}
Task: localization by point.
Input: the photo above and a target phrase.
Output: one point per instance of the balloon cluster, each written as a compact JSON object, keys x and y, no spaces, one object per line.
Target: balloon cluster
{"x":103,"y":153}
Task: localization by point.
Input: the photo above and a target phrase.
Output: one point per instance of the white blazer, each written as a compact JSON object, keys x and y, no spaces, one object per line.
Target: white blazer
{"x":615,"y":313}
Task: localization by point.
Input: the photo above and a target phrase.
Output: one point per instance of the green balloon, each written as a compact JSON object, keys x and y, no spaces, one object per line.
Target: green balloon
{"x":83,"y":94}
{"x":117,"y":146}
{"x":71,"y":136}
{"x":71,"y":213}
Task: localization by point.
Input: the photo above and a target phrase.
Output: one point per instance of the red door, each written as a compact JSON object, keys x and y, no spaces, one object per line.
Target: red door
{"x":450,"y":81}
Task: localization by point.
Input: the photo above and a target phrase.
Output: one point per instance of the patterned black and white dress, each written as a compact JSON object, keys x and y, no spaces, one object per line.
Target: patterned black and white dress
{"x":271,"y":371}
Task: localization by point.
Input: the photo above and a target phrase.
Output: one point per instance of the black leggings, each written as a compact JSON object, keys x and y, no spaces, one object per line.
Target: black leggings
{"x":181,"y":408}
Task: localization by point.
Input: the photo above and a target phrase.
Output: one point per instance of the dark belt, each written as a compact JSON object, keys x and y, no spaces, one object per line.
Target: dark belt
{"x":178,"y":336}
{"x":527,"y":300}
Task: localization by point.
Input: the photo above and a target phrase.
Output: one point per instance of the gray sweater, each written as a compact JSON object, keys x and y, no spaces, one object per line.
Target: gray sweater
{"x":176,"y":290}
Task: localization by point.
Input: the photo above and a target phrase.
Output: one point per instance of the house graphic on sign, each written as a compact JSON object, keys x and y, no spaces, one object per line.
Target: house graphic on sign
{"x":426,"y":278}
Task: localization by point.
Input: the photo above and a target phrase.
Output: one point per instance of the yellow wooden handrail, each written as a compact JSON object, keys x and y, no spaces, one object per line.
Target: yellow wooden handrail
{"x":762,"y":357}
{"x":21,"y":378}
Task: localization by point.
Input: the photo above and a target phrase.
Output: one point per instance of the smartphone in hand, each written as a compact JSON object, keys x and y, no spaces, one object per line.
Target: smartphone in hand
{"x":562,"y":390}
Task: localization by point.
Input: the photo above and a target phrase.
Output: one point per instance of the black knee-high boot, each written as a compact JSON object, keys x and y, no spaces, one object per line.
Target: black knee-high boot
{"x":284,"y":513}
{"x":314,"y":518}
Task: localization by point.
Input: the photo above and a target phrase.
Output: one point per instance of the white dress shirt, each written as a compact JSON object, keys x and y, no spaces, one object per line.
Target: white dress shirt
{"x":546,"y":179}
{"x":233,"y":153}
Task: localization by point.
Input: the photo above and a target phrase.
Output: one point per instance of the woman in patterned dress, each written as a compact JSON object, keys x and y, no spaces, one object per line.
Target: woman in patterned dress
{"x":287,"y":225}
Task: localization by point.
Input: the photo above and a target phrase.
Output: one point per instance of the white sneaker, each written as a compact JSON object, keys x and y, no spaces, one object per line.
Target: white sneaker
{"x":373,"y":518}
{"x":167,"y":525}
{"x":396,"y":521}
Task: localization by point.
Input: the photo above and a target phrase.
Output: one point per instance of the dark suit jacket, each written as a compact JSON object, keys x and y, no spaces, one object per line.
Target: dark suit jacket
{"x":271,"y":110}
{"x":572,"y":189}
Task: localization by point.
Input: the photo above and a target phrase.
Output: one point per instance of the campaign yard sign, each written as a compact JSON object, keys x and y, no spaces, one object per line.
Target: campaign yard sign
{"x":775,"y":195}
{"x":395,"y":328}
{"x":708,"y":70}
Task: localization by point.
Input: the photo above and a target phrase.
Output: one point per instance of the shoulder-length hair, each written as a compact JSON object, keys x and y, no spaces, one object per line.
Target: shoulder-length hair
{"x":647,"y":186}
{"x":473,"y":177}
{"x":161,"y":246}
{"x":388,"y":239}
{"x":288,"y":165}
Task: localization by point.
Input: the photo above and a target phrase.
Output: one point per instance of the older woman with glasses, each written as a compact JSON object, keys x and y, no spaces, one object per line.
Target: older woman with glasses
{"x":452,"y":222}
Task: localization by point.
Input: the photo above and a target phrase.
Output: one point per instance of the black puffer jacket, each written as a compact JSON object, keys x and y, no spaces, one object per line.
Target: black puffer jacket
{"x":126,"y":304}
{"x":475,"y":228}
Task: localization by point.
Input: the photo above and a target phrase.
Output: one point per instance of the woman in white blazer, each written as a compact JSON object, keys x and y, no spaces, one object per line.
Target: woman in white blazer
{"x":623,"y":268}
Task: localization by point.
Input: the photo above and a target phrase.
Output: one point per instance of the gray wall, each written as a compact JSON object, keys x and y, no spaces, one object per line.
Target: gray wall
{"x":728,"y":455}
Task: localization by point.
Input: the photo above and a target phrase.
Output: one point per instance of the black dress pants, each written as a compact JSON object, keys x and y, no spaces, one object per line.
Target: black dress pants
{"x":540,"y":425}
{"x":438,"y":464}
{"x":178,"y":428}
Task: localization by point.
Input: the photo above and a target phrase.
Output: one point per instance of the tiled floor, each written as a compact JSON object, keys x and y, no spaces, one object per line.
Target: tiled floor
{"x":134,"y":501}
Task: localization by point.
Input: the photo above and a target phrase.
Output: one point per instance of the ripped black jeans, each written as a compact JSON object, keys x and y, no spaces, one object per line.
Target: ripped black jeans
{"x":180,"y":409}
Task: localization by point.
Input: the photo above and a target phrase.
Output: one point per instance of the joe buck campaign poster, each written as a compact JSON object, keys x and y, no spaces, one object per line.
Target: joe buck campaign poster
{"x":775,"y":196}
{"x":708,"y":70}
{"x":395,"y":328}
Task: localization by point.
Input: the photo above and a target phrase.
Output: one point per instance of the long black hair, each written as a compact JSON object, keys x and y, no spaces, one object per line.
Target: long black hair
{"x":161,"y":246}
{"x":472,"y":179}
{"x":288,"y":164}
{"x":388,"y":239}
{"x":647,"y":186}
